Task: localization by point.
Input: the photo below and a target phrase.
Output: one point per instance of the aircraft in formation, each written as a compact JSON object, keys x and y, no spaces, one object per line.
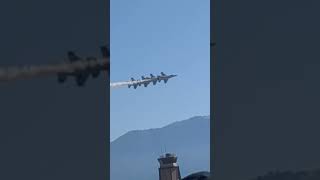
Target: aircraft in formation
{"x":147,"y":80}
{"x":82,"y":75}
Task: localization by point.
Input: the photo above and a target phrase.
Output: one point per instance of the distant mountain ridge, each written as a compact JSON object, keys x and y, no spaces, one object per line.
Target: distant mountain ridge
{"x":134,"y":154}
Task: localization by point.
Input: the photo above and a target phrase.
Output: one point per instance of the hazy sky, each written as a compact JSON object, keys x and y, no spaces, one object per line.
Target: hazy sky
{"x":149,"y":36}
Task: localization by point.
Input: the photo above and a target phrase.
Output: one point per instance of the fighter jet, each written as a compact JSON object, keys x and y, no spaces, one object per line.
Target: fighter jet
{"x":147,"y":80}
{"x":165,"y":77}
{"x":154,"y":79}
{"x":144,"y":80}
{"x":135,"y":83}
{"x":82,"y":75}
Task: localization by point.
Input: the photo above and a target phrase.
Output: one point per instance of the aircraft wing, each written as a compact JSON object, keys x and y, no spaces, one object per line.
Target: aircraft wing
{"x":154,"y":82}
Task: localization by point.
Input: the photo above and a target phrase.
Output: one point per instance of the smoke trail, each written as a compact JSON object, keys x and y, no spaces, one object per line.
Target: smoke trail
{"x":125,"y":83}
{"x":120,"y":84}
{"x":24,"y":72}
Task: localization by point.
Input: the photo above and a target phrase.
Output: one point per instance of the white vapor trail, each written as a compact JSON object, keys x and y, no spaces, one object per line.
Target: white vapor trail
{"x":125,"y":83}
{"x":24,"y":72}
{"x":120,"y":84}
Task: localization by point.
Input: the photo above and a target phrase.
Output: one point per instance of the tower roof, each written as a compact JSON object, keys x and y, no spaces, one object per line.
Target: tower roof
{"x":168,"y":158}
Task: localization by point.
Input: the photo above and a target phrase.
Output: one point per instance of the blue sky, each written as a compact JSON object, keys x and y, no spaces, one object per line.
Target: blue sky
{"x":150,"y":36}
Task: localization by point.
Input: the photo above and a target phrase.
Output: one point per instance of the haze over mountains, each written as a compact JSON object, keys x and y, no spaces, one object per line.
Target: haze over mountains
{"x":134,"y":155}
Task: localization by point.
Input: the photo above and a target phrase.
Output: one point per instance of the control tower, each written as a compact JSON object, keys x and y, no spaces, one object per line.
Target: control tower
{"x":169,"y":169}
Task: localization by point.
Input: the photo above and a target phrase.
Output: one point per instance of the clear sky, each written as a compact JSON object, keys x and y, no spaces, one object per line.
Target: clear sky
{"x":150,"y":36}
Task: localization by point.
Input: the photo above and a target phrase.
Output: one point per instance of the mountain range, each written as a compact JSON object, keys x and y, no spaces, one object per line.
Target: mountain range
{"x":134,"y":155}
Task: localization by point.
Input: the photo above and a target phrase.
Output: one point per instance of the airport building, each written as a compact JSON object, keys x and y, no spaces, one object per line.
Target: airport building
{"x":169,"y":169}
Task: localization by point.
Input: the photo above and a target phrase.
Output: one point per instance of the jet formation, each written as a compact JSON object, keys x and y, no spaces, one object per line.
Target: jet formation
{"x":152,"y":79}
{"x":81,"y":75}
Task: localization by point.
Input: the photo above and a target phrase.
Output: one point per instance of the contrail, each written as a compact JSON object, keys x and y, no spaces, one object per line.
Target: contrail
{"x":25,"y":72}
